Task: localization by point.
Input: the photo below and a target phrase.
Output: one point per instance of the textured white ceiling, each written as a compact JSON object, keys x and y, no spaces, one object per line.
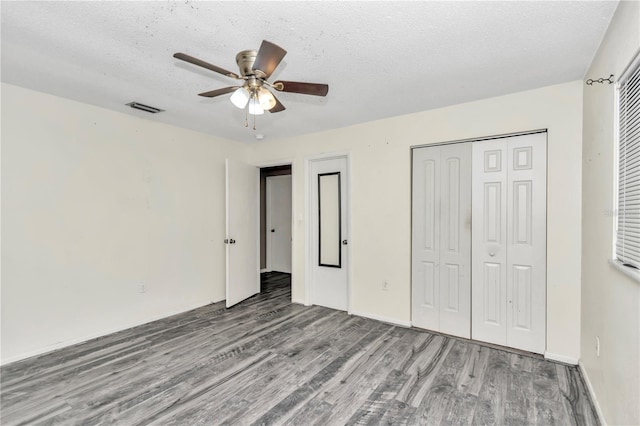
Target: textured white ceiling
{"x":380,"y":59}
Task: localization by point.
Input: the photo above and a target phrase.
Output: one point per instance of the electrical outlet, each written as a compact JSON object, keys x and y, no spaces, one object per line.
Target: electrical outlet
{"x":142,"y":288}
{"x":597,"y":346}
{"x":385,"y":285}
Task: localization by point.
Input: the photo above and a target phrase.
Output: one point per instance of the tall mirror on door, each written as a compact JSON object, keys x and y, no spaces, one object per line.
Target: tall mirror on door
{"x":329,"y":220}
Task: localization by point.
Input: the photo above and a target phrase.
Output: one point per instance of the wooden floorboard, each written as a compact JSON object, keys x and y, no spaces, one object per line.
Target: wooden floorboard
{"x":267,"y":361}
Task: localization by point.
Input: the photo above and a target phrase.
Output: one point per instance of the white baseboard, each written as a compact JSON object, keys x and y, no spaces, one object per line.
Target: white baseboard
{"x":298,"y":301}
{"x":561,"y":358}
{"x":265,"y":270}
{"x":388,"y":320}
{"x":592,"y":393}
{"x":65,"y":343}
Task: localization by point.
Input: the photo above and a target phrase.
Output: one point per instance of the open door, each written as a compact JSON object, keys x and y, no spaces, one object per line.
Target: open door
{"x":243,"y":275}
{"x":278,"y":195}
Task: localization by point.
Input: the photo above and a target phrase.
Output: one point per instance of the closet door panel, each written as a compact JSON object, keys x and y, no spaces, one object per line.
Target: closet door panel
{"x":425,"y":276}
{"x":509,"y":242}
{"x":526,"y":242}
{"x":489,"y":251}
{"x":455,"y":240}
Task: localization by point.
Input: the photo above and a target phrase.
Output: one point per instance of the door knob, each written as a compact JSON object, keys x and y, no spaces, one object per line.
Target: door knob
{"x":492,"y":254}
{"x":344,"y":242}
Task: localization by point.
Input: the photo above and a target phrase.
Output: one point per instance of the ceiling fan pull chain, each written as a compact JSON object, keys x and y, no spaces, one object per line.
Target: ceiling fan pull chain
{"x":246,"y":119}
{"x":254,"y":122}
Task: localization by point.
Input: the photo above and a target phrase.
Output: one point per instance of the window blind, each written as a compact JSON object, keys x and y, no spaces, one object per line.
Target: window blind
{"x":628,"y":233}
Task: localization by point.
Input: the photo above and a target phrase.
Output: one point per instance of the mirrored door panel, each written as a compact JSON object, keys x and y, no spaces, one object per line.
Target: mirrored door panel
{"x":329,"y":220}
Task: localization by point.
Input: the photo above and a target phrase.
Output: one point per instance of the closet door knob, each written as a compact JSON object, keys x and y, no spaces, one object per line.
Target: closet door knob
{"x":492,"y":254}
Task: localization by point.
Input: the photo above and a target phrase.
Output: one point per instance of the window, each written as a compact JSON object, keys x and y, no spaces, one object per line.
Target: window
{"x":628,"y":232}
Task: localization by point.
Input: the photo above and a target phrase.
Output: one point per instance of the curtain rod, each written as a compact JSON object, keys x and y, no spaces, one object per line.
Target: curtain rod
{"x":600,"y":80}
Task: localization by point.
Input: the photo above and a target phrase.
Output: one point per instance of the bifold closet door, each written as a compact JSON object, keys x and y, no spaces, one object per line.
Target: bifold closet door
{"x":509,"y":242}
{"x":441,"y":242}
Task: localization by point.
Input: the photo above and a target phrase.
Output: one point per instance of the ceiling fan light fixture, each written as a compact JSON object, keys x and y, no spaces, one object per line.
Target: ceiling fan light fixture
{"x":254,"y":106}
{"x":266,"y":99}
{"x":255,"y":69}
{"x":240,"y":97}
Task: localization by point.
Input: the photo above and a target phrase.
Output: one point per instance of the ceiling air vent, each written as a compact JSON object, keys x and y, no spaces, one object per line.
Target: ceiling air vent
{"x":143,"y":107}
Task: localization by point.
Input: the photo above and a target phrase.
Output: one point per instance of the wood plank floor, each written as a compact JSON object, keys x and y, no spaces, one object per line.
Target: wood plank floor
{"x":267,"y":361}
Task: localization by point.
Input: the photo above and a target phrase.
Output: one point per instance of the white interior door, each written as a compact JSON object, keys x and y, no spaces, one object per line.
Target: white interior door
{"x":527,"y":242}
{"x":279,"y":223}
{"x":455,"y":240}
{"x":328,"y":195}
{"x":242,"y":236}
{"x":425,"y":279}
{"x":489,"y":241}
{"x":509,"y":242}
{"x":441,"y":242}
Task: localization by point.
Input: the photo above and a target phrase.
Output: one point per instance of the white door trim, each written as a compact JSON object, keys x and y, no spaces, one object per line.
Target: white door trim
{"x":482,"y":138}
{"x":309,"y":229}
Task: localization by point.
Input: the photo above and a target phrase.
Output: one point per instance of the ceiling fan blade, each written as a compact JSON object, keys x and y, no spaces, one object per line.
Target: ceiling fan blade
{"x":315,"y":89}
{"x":278,"y":107}
{"x":219,"y":92}
{"x":269,"y":56}
{"x":203,"y":64}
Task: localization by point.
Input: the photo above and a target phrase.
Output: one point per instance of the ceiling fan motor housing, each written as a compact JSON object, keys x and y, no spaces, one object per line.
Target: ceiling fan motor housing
{"x":245,"y":60}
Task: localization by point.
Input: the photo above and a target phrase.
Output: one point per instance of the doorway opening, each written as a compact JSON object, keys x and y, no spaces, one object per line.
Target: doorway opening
{"x":275,"y":227}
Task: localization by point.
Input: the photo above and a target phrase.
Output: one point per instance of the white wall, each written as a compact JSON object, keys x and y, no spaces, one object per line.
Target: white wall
{"x":95,"y":202}
{"x":610,"y":300}
{"x":381,"y":197}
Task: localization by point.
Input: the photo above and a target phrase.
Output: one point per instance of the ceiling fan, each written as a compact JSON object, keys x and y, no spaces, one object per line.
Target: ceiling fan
{"x":255,"y":68}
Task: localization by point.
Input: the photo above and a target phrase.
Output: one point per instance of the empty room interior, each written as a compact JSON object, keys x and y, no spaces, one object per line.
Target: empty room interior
{"x":320,"y":213}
